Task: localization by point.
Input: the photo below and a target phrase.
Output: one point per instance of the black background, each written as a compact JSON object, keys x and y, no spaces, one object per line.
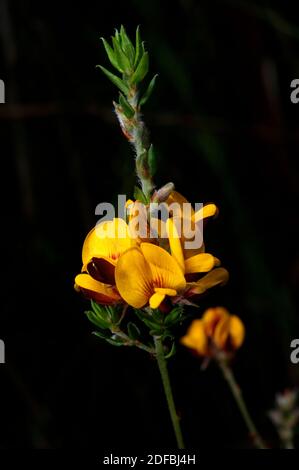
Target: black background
{"x":225,"y":131}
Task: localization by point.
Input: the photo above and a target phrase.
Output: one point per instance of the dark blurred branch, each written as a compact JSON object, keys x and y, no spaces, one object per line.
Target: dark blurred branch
{"x":271,"y":16}
{"x":19,"y":140}
{"x":267,"y":131}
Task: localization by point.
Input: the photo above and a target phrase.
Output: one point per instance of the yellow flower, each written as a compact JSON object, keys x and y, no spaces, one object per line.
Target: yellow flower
{"x":216,"y":331}
{"x":195,"y":262}
{"x":147,"y":274}
{"x":101,"y":250}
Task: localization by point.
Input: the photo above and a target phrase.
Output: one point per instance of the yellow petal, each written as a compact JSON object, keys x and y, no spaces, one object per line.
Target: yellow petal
{"x":156,"y":300}
{"x":107,"y":239}
{"x":211,"y":317}
{"x":165,"y":270}
{"x":196,"y":338}
{"x":161,"y":290}
{"x":201,"y":263}
{"x":176,"y":197}
{"x":96,"y":290}
{"x":221,"y":332}
{"x":237,"y":331}
{"x":134,"y":278}
{"x":175,"y":243}
{"x":217,"y":276}
{"x":206,"y":211}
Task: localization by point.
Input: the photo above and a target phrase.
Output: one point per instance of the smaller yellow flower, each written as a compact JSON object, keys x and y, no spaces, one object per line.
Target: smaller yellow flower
{"x":216,"y":331}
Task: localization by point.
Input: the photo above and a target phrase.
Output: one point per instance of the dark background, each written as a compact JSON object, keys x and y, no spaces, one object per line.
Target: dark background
{"x":225,"y":131}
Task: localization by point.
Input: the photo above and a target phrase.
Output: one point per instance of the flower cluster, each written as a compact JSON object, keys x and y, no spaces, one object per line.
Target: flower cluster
{"x":120,"y":267}
{"x":217,"y":331}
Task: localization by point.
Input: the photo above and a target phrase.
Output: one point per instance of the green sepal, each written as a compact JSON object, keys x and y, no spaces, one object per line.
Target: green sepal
{"x":115,"y":313}
{"x":127,"y":108}
{"x":115,"y":80}
{"x":158,"y":316}
{"x":141,"y":70}
{"x":171,"y":352}
{"x":148,"y":91}
{"x":146,"y":320}
{"x":97,"y":320}
{"x":133,"y":331}
{"x":174,"y":316}
{"x":101,"y":310}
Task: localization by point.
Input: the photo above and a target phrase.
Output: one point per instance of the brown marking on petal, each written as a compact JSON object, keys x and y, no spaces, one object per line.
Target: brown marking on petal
{"x":101,"y":270}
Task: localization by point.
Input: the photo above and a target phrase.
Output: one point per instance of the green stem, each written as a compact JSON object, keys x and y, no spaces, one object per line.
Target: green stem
{"x":168,"y":392}
{"x":237,"y":393}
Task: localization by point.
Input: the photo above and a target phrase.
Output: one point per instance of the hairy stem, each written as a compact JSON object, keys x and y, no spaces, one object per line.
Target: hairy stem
{"x":237,"y":394}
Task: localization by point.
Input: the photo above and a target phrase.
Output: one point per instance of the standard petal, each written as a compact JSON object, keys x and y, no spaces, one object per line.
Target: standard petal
{"x":166,"y":272}
{"x":96,"y":290}
{"x":134,"y":278}
{"x":107,"y":239}
{"x":237,"y":331}
{"x":201,"y":263}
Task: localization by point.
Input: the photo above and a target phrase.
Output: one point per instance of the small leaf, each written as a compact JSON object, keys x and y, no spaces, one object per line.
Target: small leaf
{"x":133,"y":331}
{"x":141,"y":70}
{"x":96,"y":320}
{"x":111,"y":55}
{"x":120,"y":56}
{"x":127,"y":45}
{"x":139,"y":195}
{"x":114,"y":79}
{"x":171,"y":352}
{"x":114,"y":342}
{"x":148,"y":91}
{"x":127,"y":108}
{"x":101,"y":334}
{"x":152,"y":163}
{"x":138,"y":47}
